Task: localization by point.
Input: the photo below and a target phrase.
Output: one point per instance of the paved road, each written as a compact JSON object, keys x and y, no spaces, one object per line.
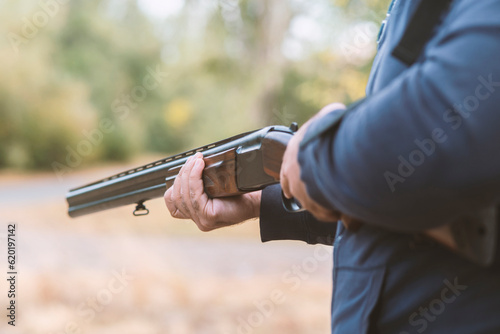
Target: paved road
{"x":177,"y":278}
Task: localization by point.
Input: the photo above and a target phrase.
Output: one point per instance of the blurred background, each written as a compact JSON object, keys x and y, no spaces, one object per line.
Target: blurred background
{"x":90,"y":88}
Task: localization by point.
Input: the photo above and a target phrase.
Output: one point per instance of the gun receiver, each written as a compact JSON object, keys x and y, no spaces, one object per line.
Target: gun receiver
{"x":244,"y":163}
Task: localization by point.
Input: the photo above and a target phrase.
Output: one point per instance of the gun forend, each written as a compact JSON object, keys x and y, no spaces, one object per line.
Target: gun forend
{"x":244,"y":163}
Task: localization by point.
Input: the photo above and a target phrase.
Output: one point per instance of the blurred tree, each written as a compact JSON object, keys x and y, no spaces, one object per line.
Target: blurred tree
{"x":62,"y":82}
{"x":111,"y":54}
{"x":228,"y":66}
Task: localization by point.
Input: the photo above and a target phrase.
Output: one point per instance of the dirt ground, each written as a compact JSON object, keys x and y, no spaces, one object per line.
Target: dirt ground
{"x":111,"y":272}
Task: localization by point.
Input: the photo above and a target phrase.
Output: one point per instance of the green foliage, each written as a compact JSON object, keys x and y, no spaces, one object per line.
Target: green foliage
{"x":227,"y":73}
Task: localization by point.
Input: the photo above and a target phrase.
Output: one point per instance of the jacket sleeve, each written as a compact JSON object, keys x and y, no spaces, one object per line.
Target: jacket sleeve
{"x":278,"y":224}
{"x":426,"y":148}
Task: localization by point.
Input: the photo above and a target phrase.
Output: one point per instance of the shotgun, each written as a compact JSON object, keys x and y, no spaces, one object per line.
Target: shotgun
{"x":240,"y":164}
{"x":252,"y":161}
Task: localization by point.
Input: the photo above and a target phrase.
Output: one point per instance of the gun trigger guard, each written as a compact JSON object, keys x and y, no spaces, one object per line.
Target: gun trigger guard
{"x":141,"y":210}
{"x":291,"y":204}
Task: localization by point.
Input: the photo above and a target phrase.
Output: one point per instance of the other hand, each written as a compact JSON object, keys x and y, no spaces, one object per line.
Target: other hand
{"x":187,"y":199}
{"x":291,"y":183}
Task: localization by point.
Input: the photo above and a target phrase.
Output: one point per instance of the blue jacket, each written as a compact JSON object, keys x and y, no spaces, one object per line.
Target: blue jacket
{"x":423,"y":149}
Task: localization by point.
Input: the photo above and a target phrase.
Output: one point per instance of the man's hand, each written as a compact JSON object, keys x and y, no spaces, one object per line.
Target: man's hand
{"x":187,"y":199}
{"x":291,"y":183}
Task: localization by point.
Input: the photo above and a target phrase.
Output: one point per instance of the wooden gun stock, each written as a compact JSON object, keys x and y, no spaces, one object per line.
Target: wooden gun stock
{"x":237,"y":171}
{"x":219,"y":174}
